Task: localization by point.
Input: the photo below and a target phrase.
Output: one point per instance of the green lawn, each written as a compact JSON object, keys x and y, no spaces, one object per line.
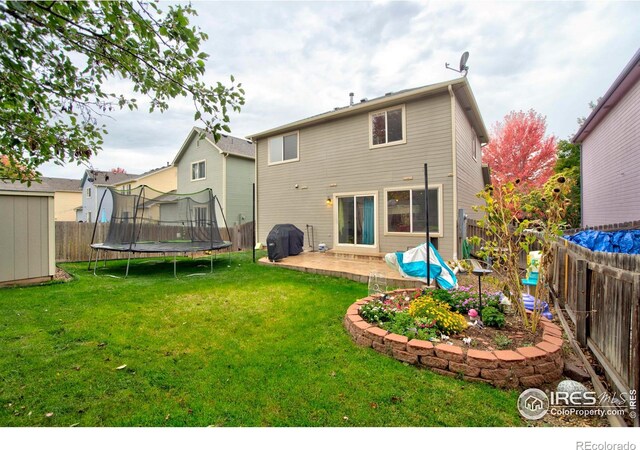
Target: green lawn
{"x":245,"y":346}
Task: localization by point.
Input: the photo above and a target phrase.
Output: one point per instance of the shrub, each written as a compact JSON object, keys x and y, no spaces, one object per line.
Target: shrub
{"x":376,"y":312}
{"x":502,"y":342}
{"x":492,"y":317}
{"x":406,"y":325}
{"x":431,"y":311}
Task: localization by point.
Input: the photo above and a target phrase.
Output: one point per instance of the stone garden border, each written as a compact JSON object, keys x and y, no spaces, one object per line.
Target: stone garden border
{"x":526,"y":366}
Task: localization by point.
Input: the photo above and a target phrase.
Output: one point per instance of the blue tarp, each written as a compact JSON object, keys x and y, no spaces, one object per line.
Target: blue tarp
{"x":627,"y":241}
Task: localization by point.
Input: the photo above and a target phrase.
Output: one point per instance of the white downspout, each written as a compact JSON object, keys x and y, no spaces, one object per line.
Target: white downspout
{"x":255,"y":180}
{"x":454,"y":159}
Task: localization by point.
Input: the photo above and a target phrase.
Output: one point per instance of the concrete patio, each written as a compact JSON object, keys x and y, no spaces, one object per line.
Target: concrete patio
{"x":353,"y":267}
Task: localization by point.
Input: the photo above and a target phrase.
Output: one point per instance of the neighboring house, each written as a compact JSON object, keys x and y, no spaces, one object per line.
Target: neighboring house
{"x":94,"y":184}
{"x":356,"y":173}
{"x":67,"y":194}
{"x":27,"y":244}
{"x":164,"y":179}
{"x":610,"y":153}
{"x":226,"y":166}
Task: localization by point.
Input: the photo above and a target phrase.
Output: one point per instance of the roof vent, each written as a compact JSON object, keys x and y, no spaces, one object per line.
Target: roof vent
{"x":351,"y":94}
{"x":388,"y":93}
{"x":362,"y":100}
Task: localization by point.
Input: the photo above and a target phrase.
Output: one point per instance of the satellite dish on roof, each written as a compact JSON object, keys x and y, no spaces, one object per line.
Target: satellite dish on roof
{"x":463,"y":68}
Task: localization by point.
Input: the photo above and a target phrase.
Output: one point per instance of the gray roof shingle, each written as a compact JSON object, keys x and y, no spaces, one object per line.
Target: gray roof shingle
{"x":232,"y":144}
{"x":107,"y":178}
{"x":47,"y":185}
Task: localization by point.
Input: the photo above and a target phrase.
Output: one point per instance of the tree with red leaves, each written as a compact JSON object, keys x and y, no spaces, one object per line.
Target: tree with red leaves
{"x":519,"y":151}
{"x":118,"y":170}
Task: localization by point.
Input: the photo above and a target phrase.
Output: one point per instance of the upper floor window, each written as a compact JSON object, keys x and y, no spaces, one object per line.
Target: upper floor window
{"x":283,"y":148}
{"x":198,"y":170}
{"x":387,"y":127}
{"x":88,"y":192}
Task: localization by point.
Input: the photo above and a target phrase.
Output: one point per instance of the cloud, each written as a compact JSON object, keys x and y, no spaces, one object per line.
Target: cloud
{"x":300,"y":59}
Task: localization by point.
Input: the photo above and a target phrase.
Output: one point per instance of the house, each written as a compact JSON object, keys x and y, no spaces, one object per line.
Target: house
{"x":27,"y":228}
{"x":610,"y":153}
{"x":94,"y":184}
{"x":67,"y":194}
{"x":163,"y":179}
{"x":226,"y":166}
{"x":356,"y":174}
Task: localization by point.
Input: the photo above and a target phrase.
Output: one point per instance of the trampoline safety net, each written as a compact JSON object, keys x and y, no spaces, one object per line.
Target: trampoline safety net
{"x":150,"y":221}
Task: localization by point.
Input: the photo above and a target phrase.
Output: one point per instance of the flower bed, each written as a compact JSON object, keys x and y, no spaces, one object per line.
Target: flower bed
{"x":527,"y":366}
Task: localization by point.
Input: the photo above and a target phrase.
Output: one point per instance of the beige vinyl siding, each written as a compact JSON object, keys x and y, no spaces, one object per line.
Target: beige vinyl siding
{"x":198,"y":152}
{"x":335,"y":158}
{"x":26,"y":245}
{"x":239,"y":201}
{"x":469,"y":171}
{"x":164,"y":180}
{"x":66,"y":204}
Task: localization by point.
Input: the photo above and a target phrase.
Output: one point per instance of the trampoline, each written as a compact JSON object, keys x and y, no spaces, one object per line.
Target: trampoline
{"x":144,"y":220}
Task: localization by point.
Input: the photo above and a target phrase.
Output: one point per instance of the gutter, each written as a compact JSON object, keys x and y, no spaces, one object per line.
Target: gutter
{"x":224,"y":182}
{"x":602,"y":106}
{"x":454,"y":159}
{"x":370,"y":105}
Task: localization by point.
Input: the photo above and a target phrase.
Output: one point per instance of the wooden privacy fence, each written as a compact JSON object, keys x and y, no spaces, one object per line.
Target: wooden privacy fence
{"x":601,"y":294}
{"x":473,"y":229}
{"x":73,"y":239}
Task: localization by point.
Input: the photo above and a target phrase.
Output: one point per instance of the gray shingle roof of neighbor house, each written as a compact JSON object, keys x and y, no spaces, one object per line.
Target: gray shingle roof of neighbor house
{"x":232,"y":145}
{"x":627,"y":79}
{"x":47,"y":185}
{"x":107,"y":178}
{"x":460,"y":86}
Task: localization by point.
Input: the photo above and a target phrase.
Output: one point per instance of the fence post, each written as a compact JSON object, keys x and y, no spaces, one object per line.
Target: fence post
{"x":635,"y":344}
{"x":237,"y":238}
{"x":583,"y":303}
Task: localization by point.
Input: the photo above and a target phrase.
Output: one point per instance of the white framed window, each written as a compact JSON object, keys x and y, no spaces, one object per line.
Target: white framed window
{"x":284,"y":148}
{"x":198,"y":170}
{"x":387,"y":127}
{"x":126,"y":189}
{"x":405,"y":211}
{"x":88,"y":192}
{"x":474,"y":147}
{"x":200,"y":216}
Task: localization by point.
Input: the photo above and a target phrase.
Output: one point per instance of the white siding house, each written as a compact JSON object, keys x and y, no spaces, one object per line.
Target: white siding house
{"x":610,"y":153}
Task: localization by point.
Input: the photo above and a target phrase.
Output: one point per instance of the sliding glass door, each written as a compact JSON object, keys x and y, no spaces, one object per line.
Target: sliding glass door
{"x":356,"y":219}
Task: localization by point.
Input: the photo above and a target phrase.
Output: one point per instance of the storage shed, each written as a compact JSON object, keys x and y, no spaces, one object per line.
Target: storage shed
{"x":27,"y":237}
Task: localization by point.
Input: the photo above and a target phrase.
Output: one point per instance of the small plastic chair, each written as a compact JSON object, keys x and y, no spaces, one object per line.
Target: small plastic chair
{"x":531,"y":281}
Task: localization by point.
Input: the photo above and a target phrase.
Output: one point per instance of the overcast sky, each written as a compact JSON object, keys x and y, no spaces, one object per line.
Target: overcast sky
{"x":297,"y":59}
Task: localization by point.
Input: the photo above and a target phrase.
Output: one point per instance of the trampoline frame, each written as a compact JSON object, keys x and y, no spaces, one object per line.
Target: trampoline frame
{"x":132,"y":247}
